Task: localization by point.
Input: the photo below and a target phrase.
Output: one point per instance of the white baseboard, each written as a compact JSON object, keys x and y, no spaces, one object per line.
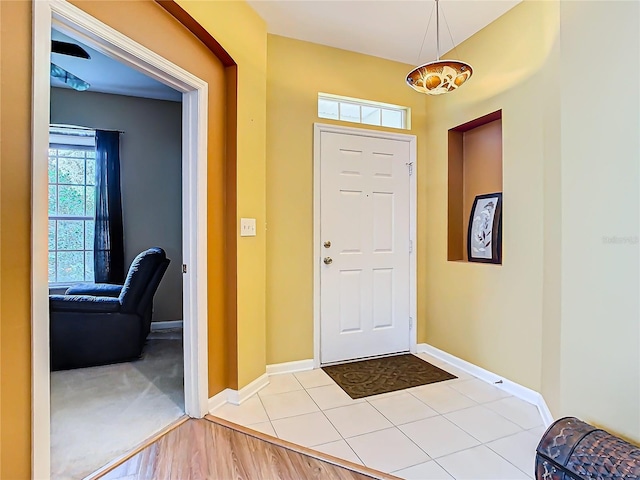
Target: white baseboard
{"x":218,"y":400}
{"x":290,"y":367}
{"x":155,"y":326}
{"x":513,"y":388}
{"x":237,"y":397}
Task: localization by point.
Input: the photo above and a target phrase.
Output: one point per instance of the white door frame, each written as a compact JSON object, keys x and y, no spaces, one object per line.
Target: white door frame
{"x":318,"y":128}
{"x":79,"y":25}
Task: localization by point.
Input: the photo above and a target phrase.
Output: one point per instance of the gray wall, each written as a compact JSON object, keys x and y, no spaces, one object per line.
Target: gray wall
{"x":151,"y":171}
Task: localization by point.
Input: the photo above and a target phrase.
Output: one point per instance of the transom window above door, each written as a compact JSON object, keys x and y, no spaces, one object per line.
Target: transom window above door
{"x":72,"y":207}
{"x":366,"y":112}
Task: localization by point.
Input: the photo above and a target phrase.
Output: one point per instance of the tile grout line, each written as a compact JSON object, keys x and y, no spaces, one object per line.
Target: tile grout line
{"x":267,"y":414}
{"x":472,"y":436}
{"x":434,"y":416}
{"x":473,"y":377}
{"x":446,"y":413}
{"x":442,"y":467}
{"x":393,"y":425}
{"x":476,"y":446}
{"x":403,"y":433}
{"x":505,"y":458}
{"x":335,"y":428}
{"x":504,"y":416}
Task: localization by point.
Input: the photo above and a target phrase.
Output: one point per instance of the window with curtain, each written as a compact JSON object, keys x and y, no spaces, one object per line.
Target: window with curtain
{"x":72,"y":197}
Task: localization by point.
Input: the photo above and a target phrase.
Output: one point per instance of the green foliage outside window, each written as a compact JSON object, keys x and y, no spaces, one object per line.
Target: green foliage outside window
{"x":71,"y":213}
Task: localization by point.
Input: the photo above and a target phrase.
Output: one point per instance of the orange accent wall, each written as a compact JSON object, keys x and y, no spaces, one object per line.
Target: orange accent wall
{"x":163,"y":34}
{"x":149,"y":24}
{"x":15,"y":239}
{"x":482,"y":168}
{"x":475,"y":168}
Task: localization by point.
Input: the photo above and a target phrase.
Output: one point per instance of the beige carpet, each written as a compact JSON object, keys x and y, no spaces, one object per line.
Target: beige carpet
{"x":100,"y":413}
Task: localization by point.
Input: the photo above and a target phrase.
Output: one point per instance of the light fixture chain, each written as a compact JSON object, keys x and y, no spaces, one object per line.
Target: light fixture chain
{"x":425,"y":36}
{"x":453,"y":44}
{"x":441,"y":76}
{"x":437,"y":32}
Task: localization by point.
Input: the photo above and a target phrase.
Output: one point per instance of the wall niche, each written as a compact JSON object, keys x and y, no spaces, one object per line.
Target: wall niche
{"x":475,"y":168}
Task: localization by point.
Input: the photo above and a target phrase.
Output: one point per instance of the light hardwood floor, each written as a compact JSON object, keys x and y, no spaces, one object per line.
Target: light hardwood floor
{"x":212,"y":449}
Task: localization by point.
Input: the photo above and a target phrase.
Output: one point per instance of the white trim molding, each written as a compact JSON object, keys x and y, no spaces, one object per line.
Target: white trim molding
{"x":237,"y":397}
{"x":79,"y":25}
{"x":513,"y":388}
{"x":290,"y":367}
{"x":318,"y":128}
{"x":219,"y":399}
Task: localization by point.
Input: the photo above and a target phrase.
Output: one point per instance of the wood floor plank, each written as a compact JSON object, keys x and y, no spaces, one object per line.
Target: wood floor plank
{"x":201,"y":449}
{"x":324,"y":457}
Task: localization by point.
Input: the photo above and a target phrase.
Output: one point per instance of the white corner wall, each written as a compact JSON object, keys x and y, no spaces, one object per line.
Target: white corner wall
{"x":151,"y":174}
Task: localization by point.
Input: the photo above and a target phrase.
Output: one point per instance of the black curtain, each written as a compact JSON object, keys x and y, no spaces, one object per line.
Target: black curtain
{"x":109,"y":237}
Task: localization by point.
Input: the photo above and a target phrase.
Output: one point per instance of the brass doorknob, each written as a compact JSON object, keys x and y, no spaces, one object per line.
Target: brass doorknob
{"x":327,"y":244}
{"x":328,"y":260}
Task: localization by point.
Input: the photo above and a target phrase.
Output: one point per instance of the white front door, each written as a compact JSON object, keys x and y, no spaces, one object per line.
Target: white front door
{"x":365,"y":246}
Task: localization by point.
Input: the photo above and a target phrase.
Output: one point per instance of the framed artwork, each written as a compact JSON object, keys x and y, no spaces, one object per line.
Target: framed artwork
{"x":484,"y":237}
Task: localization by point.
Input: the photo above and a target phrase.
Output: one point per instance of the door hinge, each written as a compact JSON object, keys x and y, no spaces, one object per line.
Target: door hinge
{"x":184,"y":268}
{"x":410,"y":165}
{"x":410,"y":246}
{"x":410,"y":323}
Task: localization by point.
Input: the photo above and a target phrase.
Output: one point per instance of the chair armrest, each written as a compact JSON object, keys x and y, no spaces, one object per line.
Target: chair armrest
{"x":95,"y":289}
{"x":83,"y":303}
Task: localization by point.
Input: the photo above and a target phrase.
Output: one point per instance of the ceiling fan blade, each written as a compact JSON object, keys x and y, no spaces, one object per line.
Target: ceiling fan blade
{"x":66,"y":48}
{"x":68,"y":78}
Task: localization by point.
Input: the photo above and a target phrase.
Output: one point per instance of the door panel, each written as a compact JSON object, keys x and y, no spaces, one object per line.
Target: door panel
{"x":364,"y":213}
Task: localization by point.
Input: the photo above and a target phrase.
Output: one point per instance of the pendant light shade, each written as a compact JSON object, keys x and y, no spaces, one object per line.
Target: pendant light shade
{"x":441,"y":76}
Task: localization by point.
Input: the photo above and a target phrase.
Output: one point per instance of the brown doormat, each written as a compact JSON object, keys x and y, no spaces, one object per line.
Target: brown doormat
{"x":382,"y":375}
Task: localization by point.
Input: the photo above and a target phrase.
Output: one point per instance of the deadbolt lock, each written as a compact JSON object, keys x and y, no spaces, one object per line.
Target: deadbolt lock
{"x":327,"y":244}
{"x":328,"y":260}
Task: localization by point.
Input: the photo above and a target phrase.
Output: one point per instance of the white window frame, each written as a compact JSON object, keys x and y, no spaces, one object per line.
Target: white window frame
{"x":71,"y":137}
{"x":405,"y":112}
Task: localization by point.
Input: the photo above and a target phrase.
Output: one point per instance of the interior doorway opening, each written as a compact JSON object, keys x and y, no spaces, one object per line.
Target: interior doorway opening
{"x":97,"y":383}
{"x":80,"y":26}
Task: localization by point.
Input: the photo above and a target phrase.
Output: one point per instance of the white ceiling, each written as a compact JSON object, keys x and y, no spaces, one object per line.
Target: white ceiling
{"x":389,"y":29}
{"x":392,"y":29}
{"x":106,"y":75}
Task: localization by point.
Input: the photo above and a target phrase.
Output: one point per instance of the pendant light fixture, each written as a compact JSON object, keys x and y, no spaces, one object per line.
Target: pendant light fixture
{"x":441,"y":76}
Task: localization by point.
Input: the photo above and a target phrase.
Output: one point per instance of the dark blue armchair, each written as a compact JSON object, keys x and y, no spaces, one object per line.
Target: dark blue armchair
{"x":98,"y":323}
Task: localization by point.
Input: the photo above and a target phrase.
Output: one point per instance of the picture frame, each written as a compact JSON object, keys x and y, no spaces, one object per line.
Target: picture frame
{"x":484,"y":233}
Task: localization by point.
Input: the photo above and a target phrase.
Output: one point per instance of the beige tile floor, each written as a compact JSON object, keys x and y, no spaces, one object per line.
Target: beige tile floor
{"x":462,"y":429}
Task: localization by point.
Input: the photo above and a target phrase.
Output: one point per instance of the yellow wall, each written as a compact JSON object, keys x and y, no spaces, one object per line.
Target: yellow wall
{"x":243,"y":34}
{"x":486,"y":314}
{"x":600,"y":348}
{"x":561,"y":314}
{"x":297,"y":71}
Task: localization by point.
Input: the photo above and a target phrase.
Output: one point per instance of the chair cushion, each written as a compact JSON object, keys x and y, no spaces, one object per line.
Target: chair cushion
{"x":83,"y":303}
{"x":96,"y":289}
{"x":139,"y":279}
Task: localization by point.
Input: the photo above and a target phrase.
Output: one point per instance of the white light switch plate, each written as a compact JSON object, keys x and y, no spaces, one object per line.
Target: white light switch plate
{"x":247,"y":227}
